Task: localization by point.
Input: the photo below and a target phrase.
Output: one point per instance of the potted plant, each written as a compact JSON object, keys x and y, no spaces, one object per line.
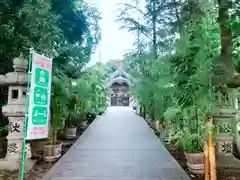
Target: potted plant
{"x":82,"y":114}
{"x":59,"y":99}
{"x":72,"y":120}
{"x":83,"y":122}
{"x":192,"y":145}
{"x":91,"y":115}
{"x":100,"y":111}
{"x":71,"y":125}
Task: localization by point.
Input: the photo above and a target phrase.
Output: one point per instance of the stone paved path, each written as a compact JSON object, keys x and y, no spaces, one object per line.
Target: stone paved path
{"x":117,"y":146}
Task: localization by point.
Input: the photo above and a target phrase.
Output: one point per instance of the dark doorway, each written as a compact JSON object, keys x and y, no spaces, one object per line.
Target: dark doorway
{"x":114,"y":101}
{"x":120,"y":101}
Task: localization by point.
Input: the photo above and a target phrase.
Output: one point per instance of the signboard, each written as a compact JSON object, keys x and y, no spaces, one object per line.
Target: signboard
{"x":39,"y":97}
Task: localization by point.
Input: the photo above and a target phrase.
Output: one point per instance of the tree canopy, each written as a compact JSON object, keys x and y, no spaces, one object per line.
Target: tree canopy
{"x":66,"y":30}
{"x":183,"y":48}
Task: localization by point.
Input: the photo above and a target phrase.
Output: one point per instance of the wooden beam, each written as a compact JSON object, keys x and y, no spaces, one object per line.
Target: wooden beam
{"x":206,"y":163}
{"x":211,"y":152}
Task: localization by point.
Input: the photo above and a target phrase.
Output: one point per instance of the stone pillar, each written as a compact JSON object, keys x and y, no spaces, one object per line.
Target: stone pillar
{"x":237,"y":140}
{"x":15,"y":111}
{"x":225,"y":121}
{"x":224,"y":139}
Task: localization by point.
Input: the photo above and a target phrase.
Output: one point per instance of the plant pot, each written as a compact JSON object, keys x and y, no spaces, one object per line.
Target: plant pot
{"x":153,"y":124}
{"x":84,"y":124}
{"x":157,"y":125}
{"x":71,"y":132}
{"x":195,"y":162}
{"x":172,"y":146}
{"x":52,"y":152}
{"x":37,"y":147}
{"x":162,"y":126}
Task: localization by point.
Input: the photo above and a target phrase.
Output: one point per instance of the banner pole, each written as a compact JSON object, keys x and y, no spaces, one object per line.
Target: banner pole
{"x":22,"y":166}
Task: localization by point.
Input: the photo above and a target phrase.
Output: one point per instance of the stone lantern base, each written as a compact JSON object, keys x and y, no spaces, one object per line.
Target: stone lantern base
{"x":228,"y":162}
{"x":12,"y":162}
{"x":13,"y":165}
{"x":224,"y":152}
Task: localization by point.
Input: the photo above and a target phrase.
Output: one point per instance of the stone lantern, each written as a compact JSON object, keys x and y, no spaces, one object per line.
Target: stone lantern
{"x":15,"y":111}
{"x":225,"y":120}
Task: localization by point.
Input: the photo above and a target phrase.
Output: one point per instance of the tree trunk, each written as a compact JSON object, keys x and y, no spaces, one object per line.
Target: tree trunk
{"x":154,"y":21}
{"x":177,"y":14}
{"x":54,"y":128}
{"x":226,"y":36}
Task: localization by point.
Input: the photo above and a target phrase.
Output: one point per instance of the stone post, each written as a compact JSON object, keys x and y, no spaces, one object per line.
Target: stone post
{"x":224,"y":139}
{"x":15,"y":111}
{"x":225,"y":121}
{"x":237,"y":140}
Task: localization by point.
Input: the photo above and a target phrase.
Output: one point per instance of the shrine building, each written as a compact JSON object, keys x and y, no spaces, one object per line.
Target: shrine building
{"x":118,"y":88}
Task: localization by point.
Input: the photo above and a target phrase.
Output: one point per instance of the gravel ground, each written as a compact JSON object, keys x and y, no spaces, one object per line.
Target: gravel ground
{"x":38,"y":171}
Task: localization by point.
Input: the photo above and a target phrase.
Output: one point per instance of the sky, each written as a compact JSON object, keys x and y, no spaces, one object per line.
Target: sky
{"x":115,"y":42}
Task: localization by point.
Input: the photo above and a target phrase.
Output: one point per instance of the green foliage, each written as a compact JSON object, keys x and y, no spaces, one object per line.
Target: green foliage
{"x":71,"y":21}
{"x":64,"y":30}
{"x":90,"y":91}
{"x":191,"y":143}
{"x":41,"y":33}
{"x":73,"y":118}
{"x":176,"y":86}
{"x":59,"y":101}
{"x":68,"y":34}
{"x":185,"y":127}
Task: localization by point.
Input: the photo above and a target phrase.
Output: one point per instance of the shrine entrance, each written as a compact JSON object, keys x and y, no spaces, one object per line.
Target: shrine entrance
{"x":119,"y":101}
{"x":119,"y":89}
{"x":119,"y":95}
